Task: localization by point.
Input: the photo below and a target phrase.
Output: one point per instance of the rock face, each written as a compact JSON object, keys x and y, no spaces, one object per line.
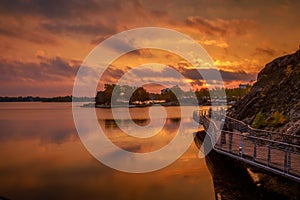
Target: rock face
{"x":273,"y":102}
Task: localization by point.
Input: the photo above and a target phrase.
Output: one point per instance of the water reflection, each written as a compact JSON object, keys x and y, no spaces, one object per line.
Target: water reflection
{"x":43,"y":158}
{"x":175,"y":120}
{"x":112,"y":123}
{"x":140,"y":145}
{"x":170,"y":125}
{"x":41,"y":123}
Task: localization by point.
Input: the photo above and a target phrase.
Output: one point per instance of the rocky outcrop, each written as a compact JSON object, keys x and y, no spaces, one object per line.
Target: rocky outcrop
{"x":273,"y":102}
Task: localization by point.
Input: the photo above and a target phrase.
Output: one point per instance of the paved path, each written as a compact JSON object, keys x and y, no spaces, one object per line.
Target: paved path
{"x":275,"y":152}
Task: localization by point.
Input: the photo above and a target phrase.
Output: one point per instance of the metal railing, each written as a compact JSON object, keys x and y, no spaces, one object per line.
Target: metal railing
{"x":263,"y":149}
{"x":234,"y":124}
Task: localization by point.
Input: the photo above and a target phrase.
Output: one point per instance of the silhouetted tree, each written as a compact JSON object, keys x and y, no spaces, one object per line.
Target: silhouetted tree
{"x":140,"y":94}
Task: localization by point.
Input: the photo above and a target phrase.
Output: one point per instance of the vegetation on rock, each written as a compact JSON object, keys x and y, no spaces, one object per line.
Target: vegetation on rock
{"x":259,"y":121}
{"x":273,"y":101}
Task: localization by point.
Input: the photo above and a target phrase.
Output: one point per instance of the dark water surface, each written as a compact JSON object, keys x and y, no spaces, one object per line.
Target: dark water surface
{"x":42,"y":157}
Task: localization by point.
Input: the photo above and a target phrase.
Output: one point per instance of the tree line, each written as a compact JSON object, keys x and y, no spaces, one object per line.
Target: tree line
{"x":45,"y":99}
{"x":140,"y":94}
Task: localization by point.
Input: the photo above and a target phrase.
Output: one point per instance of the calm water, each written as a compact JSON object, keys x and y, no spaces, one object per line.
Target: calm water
{"x":42,"y":157}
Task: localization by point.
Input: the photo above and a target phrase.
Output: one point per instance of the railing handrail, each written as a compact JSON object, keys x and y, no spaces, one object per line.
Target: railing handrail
{"x":288,"y":154}
{"x":270,"y":133}
{"x":254,"y":137}
{"x":261,"y":130}
{"x":264,"y":139}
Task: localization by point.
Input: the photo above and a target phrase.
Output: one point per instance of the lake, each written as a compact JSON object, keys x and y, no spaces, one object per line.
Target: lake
{"x":42,"y":157}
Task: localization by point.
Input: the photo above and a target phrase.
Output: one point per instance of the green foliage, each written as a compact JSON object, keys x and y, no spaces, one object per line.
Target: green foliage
{"x":277,"y":119}
{"x":237,"y":92}
{"x":203,"y":92}
{"x":288,"y":70}
{"x":297,"y":71}
{"x":174,"y":94}
{"x":121,"y":92}
{"x":264,"y":92}
{"x":108,"y":90}
{"x":140,"y":94}
{"x":259,"y":121}
{"x":177,"y":91}
{"x":232,"y":94}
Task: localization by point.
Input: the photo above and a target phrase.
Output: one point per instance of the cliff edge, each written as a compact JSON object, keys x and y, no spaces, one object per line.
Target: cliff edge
{"x":273,"y":102}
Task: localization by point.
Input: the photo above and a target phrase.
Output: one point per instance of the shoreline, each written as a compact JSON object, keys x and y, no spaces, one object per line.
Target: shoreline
{"x":92,"y":105}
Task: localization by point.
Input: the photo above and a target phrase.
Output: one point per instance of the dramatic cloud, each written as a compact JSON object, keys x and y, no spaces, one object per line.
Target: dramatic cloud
{"x":47,"y":69}
{"x":237,"y":76}
{"x":221,"y":44}
{"x":88,"y":29}
{"x":144,"y":75}
{"x":56,"y":9}
{"x":240,"y":36}
{"x":267,"y":51}
{"x":227,"y":76}
{"x":221,"y":27}
{"x":111,"y":75}
{"x":49,"y":76}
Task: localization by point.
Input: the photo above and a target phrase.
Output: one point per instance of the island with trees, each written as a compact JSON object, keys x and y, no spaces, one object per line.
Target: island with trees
{"x":125,"y":95}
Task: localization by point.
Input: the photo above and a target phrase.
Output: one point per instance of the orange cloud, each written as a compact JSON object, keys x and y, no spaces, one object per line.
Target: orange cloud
{"x":221,"y":27}
{"x":36,"y":36}
{"x":218,"y":43}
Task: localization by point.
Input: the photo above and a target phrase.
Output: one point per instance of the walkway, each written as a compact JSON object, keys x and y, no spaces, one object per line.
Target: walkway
{"x":272,"y":151}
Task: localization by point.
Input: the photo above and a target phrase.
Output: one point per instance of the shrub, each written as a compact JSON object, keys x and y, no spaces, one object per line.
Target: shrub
{"x":277,"y":119}
{"x":288,"y":70}
{"x":259,"y":120}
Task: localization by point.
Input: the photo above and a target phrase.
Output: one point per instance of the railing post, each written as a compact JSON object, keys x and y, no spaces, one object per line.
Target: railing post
{"x":285,"y":160}
{"x":235,"y":125}
{"x":230,"y":142}
{"x":288,"y":160}
{"x":269,"y":153}
{"x":223,"y":139}
{"x":221,"y":143}
{"x":241,"y":148}
{"x":254,"y":153}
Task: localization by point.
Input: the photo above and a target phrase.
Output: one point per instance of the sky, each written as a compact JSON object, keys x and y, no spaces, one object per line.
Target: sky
{"x":43,"y":43}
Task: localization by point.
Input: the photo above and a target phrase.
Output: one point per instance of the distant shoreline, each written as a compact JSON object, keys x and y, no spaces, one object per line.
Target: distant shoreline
{"x":92,"y":105}
{"x":89,"y":104}
{"x":47,"y":99}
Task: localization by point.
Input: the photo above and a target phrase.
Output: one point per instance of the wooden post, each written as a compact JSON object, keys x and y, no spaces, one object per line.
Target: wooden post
{"x":254,"y":153}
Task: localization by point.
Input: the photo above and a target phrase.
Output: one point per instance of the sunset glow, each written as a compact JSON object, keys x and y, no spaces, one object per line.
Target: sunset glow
{"x":44,"y":43}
